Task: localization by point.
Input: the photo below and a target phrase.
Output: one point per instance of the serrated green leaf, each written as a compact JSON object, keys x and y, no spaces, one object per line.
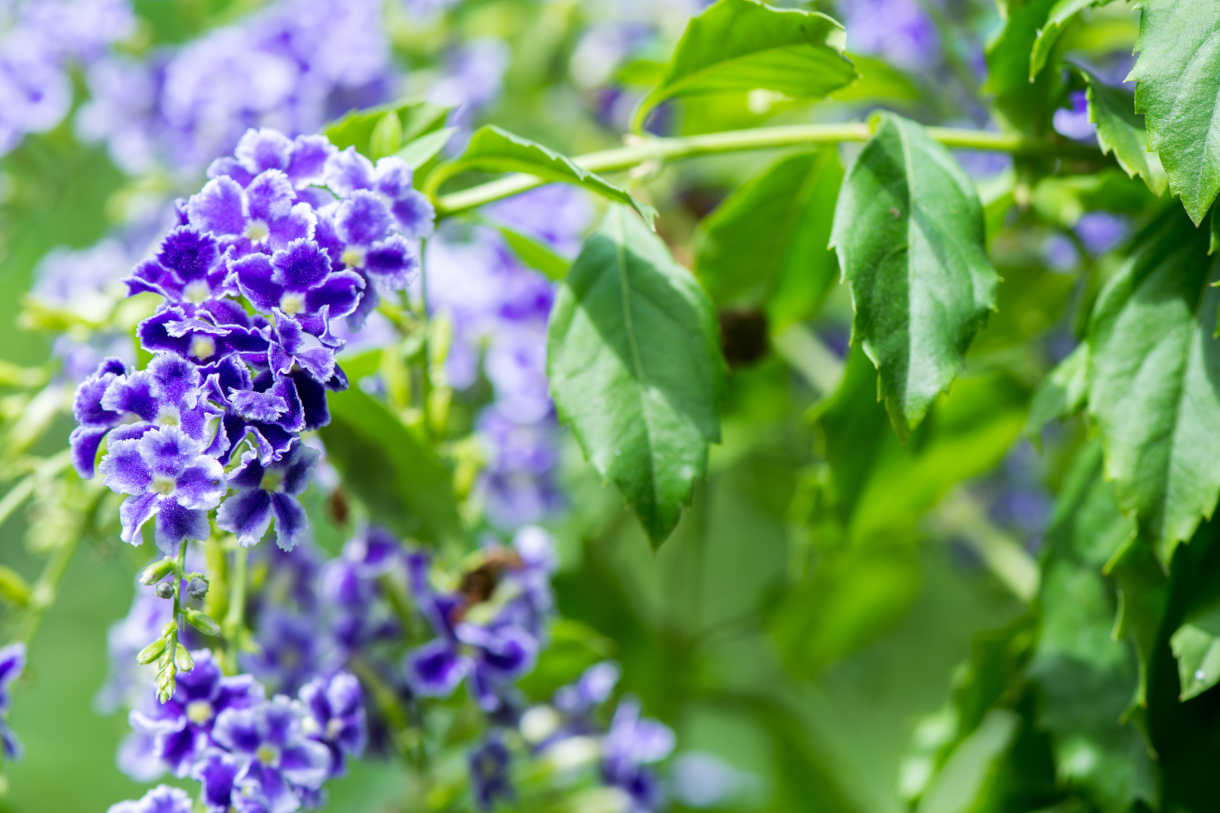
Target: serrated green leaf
{"x":1083,"y":675}
{"x":1120,"y":130}
{"x":1061,"y":393}
{"x":1153,"y":372}
{"x":1178,"y":91}
{"x":1057,"y":18}
{"x":743,"y":45}
{"x":910,"y":238}
{"x":535,"y":254}
{"x":416,"y":117}
{"x":492,"y":149}
{"x":1196,"y":645}
{"x":766,"y":245}
{"x":395,"y":473}
{"x":634,"y":364}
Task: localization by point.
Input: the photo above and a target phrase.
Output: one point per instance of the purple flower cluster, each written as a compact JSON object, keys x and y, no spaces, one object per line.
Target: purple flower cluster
{"x":294,"y":66}
{"x":289,"y":237}
{"x":249,"y":753}
{"x":499,"y":310}
{"x":40,"y":40}
{"x":12,"y":662}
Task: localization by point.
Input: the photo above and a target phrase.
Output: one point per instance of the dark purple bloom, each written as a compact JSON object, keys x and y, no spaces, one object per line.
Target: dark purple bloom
{"x":299,"y":282}
{"x":291,"y":649}
{"x":263,"y":214}
{"x":336,"y":717}
{"x":181,"y":728}
{"x":489,"y":772}
{"x":492,"y":656}
{"x":273,"y":750}
{"x":267,"y":492}
{"x":166,"y":476}
{"x":161,"y":799}
{"x":187,"y":268}
{"x":12,"y":662}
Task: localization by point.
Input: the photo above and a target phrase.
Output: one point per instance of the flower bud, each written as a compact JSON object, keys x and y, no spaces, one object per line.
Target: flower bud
{"x":156,"y":571}
{"x":183,"y":659}
{"x":202,"y":622}
{"x":164,"y":589}
{"x":197,"y":587}
{"x":151,"y":652}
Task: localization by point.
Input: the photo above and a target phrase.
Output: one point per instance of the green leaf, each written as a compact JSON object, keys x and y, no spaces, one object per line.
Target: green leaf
{"x":415,"y":118}
{"x":966,"y":779}
{"x":1120,"y":130}
{"x":1178,"y":90}
{"x":492,"y":149}
{"x":634,"y":363}
{"x":743,"y":45}
{"x":1154,"y":373}
{"x":386,"y":137}
{"x":1196,"y":645}
{"x":398,"y":476}
{"x":1057,"y":18}
{"x":535,"y":254}
{"x":766,"y":245}
{"x":1061,"y":393}
{"x":1022,"y":104}
{"x":910,"y":237}
{"x":880,"y":487}
{"x":426,"y":147}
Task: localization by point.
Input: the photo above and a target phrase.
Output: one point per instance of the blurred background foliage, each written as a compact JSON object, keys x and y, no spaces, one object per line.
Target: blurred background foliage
{"x":807,"y":618}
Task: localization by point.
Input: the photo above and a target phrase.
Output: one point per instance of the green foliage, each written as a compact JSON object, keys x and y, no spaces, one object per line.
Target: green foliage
{"x":1177,"y":80}
{"x":379,"y":131}
{"x":743,"y":45}
{"x":492,"y":149}
{"x":765,"y":246}
{"x":1058,"y":17}
{"x":1024,"y":98}
{"x":1120,"y":130}
{"x":909,"y":234}
{"x":391,"y":468}
{"x":1153,"y":368}
{"x":635,"y":368}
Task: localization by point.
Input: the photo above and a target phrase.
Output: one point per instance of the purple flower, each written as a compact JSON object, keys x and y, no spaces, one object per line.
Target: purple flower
{"x":629,"y":746}
{"x":491,"y":655}
{"x":12,"y":662}
{"x":336,"y":717}
{"x":897,"y":30}
{"x":1101,"y":231}
{"x":292,"y":649}
{"x":161,"y":799}
{"x":181,"y":728}
{"x":263,"y":214}
{"x":273,"y":752}
{"x":1073,"y":121}
{"x":165,"y":475}
{"x":263,"y":493}
{"x":488,"y":765}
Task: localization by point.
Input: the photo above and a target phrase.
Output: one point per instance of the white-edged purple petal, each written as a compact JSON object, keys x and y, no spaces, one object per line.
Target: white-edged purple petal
{"x":247,"y":514}
{"x":291,"y":521}
{"x":218,"y":208}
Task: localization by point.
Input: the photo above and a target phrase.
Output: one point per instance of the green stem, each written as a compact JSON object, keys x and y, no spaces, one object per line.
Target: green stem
{"x":649,"y":150}
{"x":236,"y":615}
{"x":1004,"y":555}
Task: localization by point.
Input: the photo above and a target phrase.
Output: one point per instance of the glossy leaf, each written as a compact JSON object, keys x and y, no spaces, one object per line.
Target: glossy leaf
{"x":1154,"y":372}
{"x":910,"y":239}
{"x":492,"y":149}
{"x":385,"y":464}
{"x":1024,"y":105}
{"x":766,"y":245}
{"x":1178,"y":90}
{"x":1120,"y":130}
{"x":743,"y":45}
{"x":426,"y":147}
{"x":634,"y":363}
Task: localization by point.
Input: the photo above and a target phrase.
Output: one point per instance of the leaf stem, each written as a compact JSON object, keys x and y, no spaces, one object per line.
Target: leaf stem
{"x":235,"y":616}
{"x":652,"y":149}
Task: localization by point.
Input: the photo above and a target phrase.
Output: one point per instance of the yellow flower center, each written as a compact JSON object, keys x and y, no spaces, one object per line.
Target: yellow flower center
{"x":292,"y":302}
{"x":257,"y":231}
{"x":203,"y":347}
{"x":353,"y":257}
{"x":199,"y":711}
{"x":163,"y":485}
{"x":197,"y":291}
